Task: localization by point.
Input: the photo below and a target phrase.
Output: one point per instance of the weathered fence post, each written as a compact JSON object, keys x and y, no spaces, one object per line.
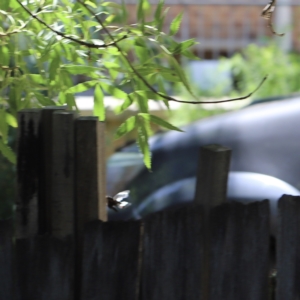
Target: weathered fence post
{"x":211,"y":189}
{"x":44,"y":265}
{"x":90,"y":200}
{"x":288,"y":249}
{"x":63,"y":175}
{"x":172,"y":254}
{"x":28,"y":154}
{"x":46,"y":161}
{"x":89,"y":171}
{"x":110,"y":260}
{"x":6,"y":260}
{"x":239,"y":257}
{"x":211,"y":186}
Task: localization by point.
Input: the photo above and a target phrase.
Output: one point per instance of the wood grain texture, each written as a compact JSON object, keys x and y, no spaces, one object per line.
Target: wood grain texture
{"x":45,"y":167}
{"x":6,"y":260}
{"x":172,"y":254}
{"x":110,"y":261}
{"x":211,"y":190}
{"x":28,"y":179}
{"x":288,"y":249}
{"x":212,"y":175}
{"x":44,"y":269}
{"x":90,"y":201}
{"x":239,"y":251}
{"x":63,"y":175}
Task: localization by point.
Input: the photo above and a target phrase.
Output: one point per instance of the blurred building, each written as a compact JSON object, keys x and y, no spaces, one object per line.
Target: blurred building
{"x":223,"y":27}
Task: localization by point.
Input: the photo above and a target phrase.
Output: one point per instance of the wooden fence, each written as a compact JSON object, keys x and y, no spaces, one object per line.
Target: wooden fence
{"x":58,"y":247}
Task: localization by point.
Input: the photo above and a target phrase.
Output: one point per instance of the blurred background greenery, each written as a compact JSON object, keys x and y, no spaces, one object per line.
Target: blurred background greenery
{"x":228,"y":77}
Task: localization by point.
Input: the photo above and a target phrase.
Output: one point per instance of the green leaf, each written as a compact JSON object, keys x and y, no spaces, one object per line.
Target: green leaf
{"x":81,"y":87}
{"x":54,"y":65}
{"x":143,"y":144}
{"x":126,"y":127}
{"x":142,"y":101}
{"x":11,"y":120}
{"x":111,"y":4}
{"x":174,"y":27}
{"x":62,"y":98}
{"x":128,"y":101}
{"x":114,"y":91}
{"x":190,"y":55}
{"x":149,"y":95}
{"x":90,"y":3}
{"x":181,"y":47}
{"x":70,"y":100}
{"x":36,"y":78}
{"x":180,"y":73}
{"x":43,"y":100}
{"x":99,"y":109}
{"x":161,"y":122}
{"x":77,"y":69}
{"x":3,"y":125}
{"x":158,"y":11}
{"x":7,"y":152}
{"x":161,"y":87}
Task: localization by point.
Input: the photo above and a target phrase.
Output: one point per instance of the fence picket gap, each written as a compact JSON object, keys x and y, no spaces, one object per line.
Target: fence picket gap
{"x":211,"y":190}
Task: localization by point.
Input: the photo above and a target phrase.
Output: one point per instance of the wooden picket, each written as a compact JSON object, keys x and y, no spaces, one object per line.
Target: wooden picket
{"x":61,"y":247}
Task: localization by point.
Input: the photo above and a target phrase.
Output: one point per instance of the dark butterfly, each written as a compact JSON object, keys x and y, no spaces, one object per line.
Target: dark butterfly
{"x":118,"y":200}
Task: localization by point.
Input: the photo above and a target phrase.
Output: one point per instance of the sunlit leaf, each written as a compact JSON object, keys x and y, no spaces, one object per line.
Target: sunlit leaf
{"x":159,"y":121}
{"x":7,"y":152}
{"x":11,"y":120}
{"x":143,"y":144}
{"x":81,"y":87}
{"x":174,"y":27}
{"x":99,"y":109}
{"x":126,"y":127}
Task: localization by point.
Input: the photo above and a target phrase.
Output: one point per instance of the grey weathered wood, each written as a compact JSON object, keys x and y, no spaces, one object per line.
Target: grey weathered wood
{"x":44,"y":269}
{"x":212,"y":175}
{"x":171,"y":267}
{"x":90,"y":165}
{"x":288,"y":249}
{"x":6,"y":260}
{"x":62,"y":202}
{"x":90,"y":169}
{"x":46,"y":163}
{"x":110,"y":260}
{"x":240,"y":251}
{"x":211,"y":189}
{"x":28,"y":154}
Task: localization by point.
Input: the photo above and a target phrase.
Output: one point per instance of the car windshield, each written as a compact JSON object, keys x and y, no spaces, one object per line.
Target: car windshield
{"x":122,"y":167}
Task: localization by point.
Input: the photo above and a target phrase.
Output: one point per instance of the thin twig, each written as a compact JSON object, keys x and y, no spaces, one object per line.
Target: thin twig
{"x":68,"y":37}
{"x":166,"y":97}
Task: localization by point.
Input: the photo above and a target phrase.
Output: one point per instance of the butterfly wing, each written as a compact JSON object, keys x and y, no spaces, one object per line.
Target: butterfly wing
{"x":121,"y":196}
{"x":268,"y":10}
{"x":123,"y":204}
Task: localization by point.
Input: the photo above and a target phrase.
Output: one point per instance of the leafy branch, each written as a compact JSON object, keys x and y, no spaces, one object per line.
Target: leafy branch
{"x":150,"y":87}
{"x":61,"y":41}
{"x":68,"y":37}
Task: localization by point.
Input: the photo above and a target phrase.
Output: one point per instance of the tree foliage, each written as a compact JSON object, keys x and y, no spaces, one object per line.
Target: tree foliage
{"x":45,"y":43}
